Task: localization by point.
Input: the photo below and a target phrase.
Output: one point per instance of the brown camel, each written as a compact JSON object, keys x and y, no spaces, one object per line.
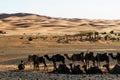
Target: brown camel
{"x":56,"y":58}
{"x":76,"y":57}
{"x":36,"y":60}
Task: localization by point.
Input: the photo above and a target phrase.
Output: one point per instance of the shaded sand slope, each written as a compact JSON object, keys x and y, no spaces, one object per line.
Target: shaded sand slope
{"x":20,"y":23}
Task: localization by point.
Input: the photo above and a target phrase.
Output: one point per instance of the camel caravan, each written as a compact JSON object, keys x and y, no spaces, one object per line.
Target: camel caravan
{"x":79,"y":63}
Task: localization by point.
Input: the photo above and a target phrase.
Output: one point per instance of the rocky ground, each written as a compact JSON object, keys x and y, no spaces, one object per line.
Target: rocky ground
{"x":16,"y":75}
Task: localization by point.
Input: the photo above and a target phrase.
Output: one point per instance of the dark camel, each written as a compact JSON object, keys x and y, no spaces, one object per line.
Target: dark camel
{"x":62,"y":69}
{"x":56,"y":58}
{"x":36,"y":60}
{"x":101,"y":58}
{"x":76,"y":57}
{"x":117,"y":57}
{"x":92,"y":70}
{"x":114,"y":70}
{"x":75,"y":69}
{"x":89,"y":56}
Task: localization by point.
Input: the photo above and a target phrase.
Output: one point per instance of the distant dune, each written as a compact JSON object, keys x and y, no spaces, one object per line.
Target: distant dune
{"x":20,"y":23}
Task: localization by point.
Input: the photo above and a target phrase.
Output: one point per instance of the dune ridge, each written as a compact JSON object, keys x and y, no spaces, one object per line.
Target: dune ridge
{"x":20,"y":23}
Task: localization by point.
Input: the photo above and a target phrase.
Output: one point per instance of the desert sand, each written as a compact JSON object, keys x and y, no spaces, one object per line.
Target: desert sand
{"x":13,"y":48}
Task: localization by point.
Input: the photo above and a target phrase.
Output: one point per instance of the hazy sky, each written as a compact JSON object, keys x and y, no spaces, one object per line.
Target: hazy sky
{"x":92,"y":9}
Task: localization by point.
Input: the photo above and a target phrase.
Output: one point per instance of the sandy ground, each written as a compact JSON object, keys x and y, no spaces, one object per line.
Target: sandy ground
{"x":13,"y":49}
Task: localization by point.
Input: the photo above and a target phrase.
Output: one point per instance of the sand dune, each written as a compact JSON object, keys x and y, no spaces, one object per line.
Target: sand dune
{"x":20,"y":23}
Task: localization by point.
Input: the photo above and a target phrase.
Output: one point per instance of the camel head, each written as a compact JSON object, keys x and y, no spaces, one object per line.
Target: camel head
{"x":81,"y":53}
{"x":46,"y":55}
{"x":30,"y":58}
{"x":105,"y":53}
{"x":110,"y":54}
{"x":118,"y":53}
{"x":65,"y":54}
{"x":48,"y":58}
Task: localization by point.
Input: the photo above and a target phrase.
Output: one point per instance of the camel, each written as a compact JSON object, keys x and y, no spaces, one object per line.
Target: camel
{"x":92,"y":70}
{"x":21,"y":66}
{"x":36,"y":60}
{"x":89,"y":56}
{"x":56,"y":58}
{"x":115,"y":57}
{"x":101,"y":57}
{"x":76,"y":57}
{"x":62,"y":69}
{"x":75,"y":69}
{"x":115,"y":70}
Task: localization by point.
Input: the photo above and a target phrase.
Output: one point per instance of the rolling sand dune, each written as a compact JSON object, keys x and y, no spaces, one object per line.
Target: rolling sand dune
{"x":31,"y":23}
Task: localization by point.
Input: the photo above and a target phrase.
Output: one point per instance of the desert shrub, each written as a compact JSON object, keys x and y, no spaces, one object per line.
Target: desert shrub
{"x":103,"y":33}
{"x":58,"y":41}
{"x":21,"y":37}
{"x":118,"y":34}
{"x":2,"y":32}
{"x":30,"y":38}
{"x":112,"y":32}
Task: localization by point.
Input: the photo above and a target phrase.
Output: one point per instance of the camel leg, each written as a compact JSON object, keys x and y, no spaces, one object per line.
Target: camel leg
{"x":97,"y":63}
{"x":107,"y":61}
{"x":45,"y":66}
{"x":54,"y":64}
{"x":85,"y":63}
{"x":88,"y":63}
{"x":37,"y":67}
{"x":93,"y":62}
{"x":31,"y":65}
